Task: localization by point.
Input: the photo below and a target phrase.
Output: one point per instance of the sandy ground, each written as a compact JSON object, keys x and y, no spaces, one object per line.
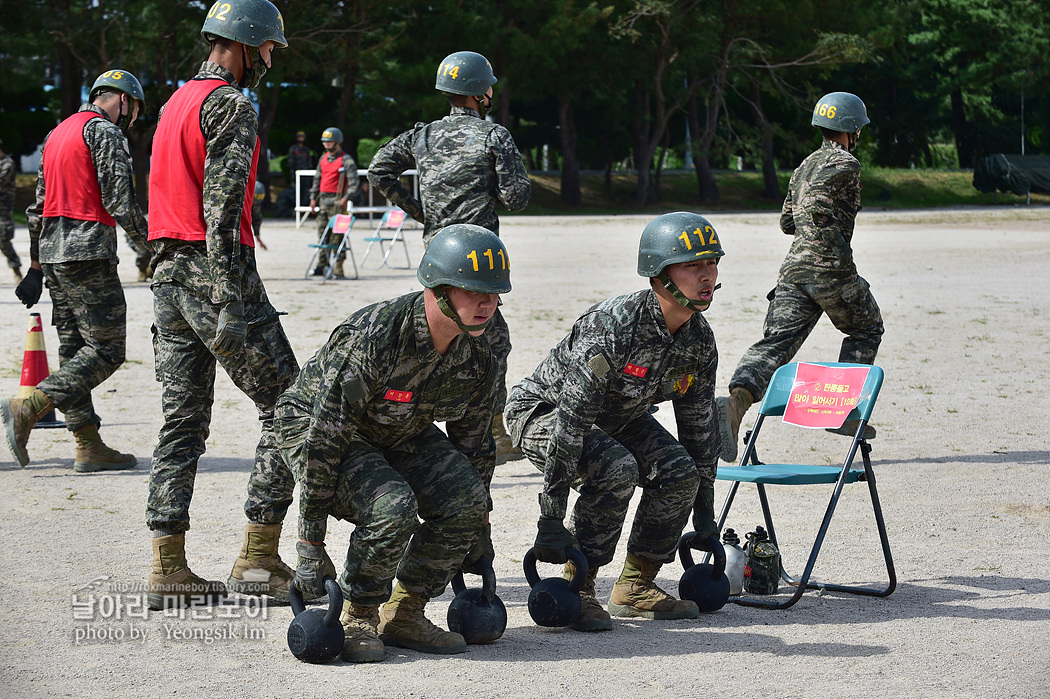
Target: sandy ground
{"x":961,"y":459}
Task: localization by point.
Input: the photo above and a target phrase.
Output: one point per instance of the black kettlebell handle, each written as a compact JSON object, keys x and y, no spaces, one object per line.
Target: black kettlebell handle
{"x":488,"y":580}
{"x":574,"y":555}
{"x":335,"y":600}
{"x":711,"y":544}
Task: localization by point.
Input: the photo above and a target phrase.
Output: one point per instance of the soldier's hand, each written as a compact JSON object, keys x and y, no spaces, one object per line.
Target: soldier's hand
{"x":231,"y":330}
{"x":416,"y":212}
{"x":310,"y":572}
{"x":29,"y":289}
{"x":552,"y":538}
{"x":482,"y":549}
{"x":313,"y":206}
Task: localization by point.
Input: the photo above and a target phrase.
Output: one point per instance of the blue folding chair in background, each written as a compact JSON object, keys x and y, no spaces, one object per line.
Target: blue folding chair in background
{"x":338,"y":224}
{"x":784,"y":391}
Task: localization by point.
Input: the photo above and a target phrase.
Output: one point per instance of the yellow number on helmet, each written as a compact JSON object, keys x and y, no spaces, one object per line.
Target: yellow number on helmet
{"x":831,"y":112}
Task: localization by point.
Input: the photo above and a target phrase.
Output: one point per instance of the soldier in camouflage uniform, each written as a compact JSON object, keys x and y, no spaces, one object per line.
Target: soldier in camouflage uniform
{"x":7,"y":206}
{"x":299,"y":158}
{"x":210,"y":305}
{"x":466,"y":165}
{"x":818,"y":275}
{"x":83,"y":189}
{"x":357,"y":428}
{"x":335,"y":184}
{"x":583,"y":418}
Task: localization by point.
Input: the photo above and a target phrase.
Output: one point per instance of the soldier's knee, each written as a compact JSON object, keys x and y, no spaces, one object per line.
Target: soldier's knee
{"x":397,"y":504}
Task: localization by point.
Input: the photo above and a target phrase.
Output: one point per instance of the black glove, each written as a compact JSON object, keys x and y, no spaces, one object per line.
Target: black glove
{"x":231,"y":330}
{"x":552,"y":538}
{"x":29,"y":289}
{"x":310,"y":573}
{"x":481,"y":549}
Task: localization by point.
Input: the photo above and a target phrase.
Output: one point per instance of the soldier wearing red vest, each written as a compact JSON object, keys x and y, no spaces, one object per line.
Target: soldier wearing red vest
{"x":335,"y":183}
{"x":210,"y":305}
{"x":84,"y":188}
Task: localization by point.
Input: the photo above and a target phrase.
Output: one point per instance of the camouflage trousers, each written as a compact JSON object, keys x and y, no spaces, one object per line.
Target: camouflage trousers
{"x":184,"y":327}
{"x":327,"y":207}
{"x":385,"y":493}
{"x":7,"y":234}
{"x":497,"y":334}
{"x":644,"y":455}
{"x":90,"y":316}
{"x":793,"y":312}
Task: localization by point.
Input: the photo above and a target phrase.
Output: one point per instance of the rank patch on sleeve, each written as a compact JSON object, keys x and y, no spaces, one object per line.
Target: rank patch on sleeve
{"x":635,"y":370}
{"x":399,"y":396}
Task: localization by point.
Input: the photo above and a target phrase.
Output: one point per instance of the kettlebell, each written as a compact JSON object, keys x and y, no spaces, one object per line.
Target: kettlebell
{"x":734,"y":561}
{"x":555,"y":602}
{"x":477,"y":614}
{"x":762,"y":566}
{"x":703,"y":583}
{"x":316,"y":636}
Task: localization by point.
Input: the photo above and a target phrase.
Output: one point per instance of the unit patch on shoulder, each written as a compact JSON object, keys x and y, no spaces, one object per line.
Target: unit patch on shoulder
{"x":599,"y":365}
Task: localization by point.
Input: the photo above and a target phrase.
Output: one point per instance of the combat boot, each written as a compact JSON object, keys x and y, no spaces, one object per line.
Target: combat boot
{"x":361,"y":644}
{"x":505,"y":449}
{"x":93,"y":454}
{"x":731,"y":411}
{"x":172,"y":583}
{"x":849,"y":428}
{"x":259,"y":569}
{"x":337,"y":270}
{"x":403,"y":624}
{"x":19,"y":415}
{"x":593,"y":616}
{"x":637,"y":595}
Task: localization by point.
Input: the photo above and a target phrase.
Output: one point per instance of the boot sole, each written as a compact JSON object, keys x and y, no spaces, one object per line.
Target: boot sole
{"x":259,"y":590}
{"x":725,"y":430}
{"x":20,"y":453}
{"x":628,"y":612}
{"x":392,"y":640}
{"x":88,"y":467}
{"x":362,"y":656}
{"x":593,"y":625}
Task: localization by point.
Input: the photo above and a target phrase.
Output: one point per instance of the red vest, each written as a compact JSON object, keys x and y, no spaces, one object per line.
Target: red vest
{"x":330,"y":175}
{"x":176,"y":183}
{"x":70,"y":179}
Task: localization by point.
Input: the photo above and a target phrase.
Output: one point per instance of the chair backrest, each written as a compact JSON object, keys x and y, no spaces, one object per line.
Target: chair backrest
{"x":783,"y":385}
{"x":340,"y":223}
{"x":393,"y":219}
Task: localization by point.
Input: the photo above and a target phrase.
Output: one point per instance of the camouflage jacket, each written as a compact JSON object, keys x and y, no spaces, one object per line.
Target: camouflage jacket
{"x":7,"y":186}
{"x":378,"y":382}
{"x":349,"y":185}
{"x":216,"y":267}
{"x":466,"y":165}
{"x":820,"y":210}
{"x":58,"y":239}
{"x":618,"y":360}
{"x":299,"y":158}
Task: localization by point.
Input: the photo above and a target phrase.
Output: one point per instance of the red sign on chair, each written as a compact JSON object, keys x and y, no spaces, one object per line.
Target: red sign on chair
{"x":342,"y":223}
{"x":822,"y":396}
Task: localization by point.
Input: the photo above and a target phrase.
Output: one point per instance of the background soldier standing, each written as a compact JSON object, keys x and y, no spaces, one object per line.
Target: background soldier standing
{"x":83,"y":189}
{"x":335,"y":183}
{"x":466,"y":164}
{"x":300,"y":158}
{"x":583,"y":419}
{"x":357,"y":428}
{"x":210,"y":305}
{"x":7,"y":207}
{"x":818,"y":275}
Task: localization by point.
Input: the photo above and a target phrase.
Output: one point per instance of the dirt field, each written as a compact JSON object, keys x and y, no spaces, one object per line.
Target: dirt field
{"x":962,"y":462}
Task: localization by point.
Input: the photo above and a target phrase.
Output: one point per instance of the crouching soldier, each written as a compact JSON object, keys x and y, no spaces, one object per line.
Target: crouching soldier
{"x":583,"y":418}
{"x":357,"y":429}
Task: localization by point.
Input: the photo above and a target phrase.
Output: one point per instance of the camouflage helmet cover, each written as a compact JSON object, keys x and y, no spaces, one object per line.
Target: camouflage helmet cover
{"x":249,"y":22}
{"x":677,"y":237}
{"x":120,"y":80}
{"x":467,"y":257}
{"x":464,"y":73}
{"x":840,"y":111}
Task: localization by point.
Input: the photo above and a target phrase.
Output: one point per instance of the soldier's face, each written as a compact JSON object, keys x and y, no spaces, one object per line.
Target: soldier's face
{"x":330,"y":145}
{"x":695,"y":279}
{"x":471,"y":307}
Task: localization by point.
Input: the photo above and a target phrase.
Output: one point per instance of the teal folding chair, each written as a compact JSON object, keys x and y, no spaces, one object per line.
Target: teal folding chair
{"x":340,"y":223}
{"x":783,"y":390}
{"x":392,"y":221}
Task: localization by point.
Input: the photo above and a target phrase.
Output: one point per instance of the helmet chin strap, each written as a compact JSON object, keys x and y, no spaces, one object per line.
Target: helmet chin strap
{"x":694,"y":305}
{"x":446,"y":307}
{"x":124,"y":120}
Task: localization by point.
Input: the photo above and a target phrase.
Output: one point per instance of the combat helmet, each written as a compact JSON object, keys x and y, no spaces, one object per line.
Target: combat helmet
{"x":467,"y":257}
{"x":121,"y":81}
{"x":840,"y":111}
{"x":249,"y":22}
{"x":681,"y":236}
{"x":464,"y":73}
{"x":332,"y":135}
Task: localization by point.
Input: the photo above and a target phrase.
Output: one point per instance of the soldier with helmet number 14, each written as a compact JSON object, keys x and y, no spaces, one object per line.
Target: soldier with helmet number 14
{"x":818,"y":275}
{"x":583,"y":418}
{"x":357,"y":428}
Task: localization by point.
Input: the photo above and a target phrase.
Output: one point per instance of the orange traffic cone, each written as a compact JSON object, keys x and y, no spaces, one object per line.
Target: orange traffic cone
{"x":34,"y":368}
